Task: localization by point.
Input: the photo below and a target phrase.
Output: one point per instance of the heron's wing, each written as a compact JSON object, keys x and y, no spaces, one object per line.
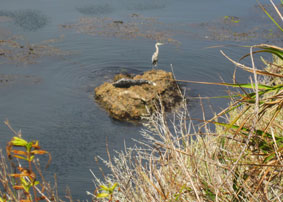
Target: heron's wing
{"x":154,"y":56}
{"x":154,"y":62}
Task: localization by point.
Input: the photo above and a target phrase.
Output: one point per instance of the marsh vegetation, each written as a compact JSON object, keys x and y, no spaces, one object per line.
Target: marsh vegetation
{"x":234,"y":156}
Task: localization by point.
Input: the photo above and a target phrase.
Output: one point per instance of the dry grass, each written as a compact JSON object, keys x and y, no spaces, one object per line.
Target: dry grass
{"x":177,"y":163}
{"x":241,"y":160}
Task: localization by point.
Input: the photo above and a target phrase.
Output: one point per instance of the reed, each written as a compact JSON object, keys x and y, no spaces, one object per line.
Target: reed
{"x":241,"y":160}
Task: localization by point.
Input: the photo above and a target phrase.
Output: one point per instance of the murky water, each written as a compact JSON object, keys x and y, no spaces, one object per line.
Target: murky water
{"x":46,"y":88}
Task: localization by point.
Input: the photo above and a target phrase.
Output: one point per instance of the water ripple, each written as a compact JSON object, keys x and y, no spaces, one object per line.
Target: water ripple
{"x":95,"y":9}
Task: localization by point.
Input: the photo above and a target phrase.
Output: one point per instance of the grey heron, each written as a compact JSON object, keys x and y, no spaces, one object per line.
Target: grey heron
{"x":154,"y":58}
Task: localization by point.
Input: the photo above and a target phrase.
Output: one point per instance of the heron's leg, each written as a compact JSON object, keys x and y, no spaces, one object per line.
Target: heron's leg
{"x":154,"y":66}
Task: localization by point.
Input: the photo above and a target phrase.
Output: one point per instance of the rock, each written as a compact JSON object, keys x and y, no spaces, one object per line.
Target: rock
{"x":133,"y":102}
{"x":122,"y":76}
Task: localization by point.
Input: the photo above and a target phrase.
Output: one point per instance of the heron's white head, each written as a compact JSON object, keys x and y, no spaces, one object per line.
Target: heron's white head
{"x":158,"y":44}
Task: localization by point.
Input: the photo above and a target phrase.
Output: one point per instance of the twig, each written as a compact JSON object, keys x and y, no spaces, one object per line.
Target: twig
{"x":275,"y":7}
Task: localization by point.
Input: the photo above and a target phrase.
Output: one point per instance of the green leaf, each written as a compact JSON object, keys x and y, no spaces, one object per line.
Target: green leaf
{"x":17,"y":141}
{"x":278,"y":139}
{"x":29,"y":146}
{"x":272,"y":155}
{"x":24,"y":182}
{"x":26,"y":185}
{"x":102,"y":195}
{"x":113,"y":187}
{"x":208,"y":192}
{"x":31,"y":158}
{"x":270,"y":17}
{"x":274,"y":51}
{"x":104,"y":188}
{"x":109,"y":188}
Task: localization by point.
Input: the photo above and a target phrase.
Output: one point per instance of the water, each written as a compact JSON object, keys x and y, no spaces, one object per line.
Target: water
{"x":50,"y":97}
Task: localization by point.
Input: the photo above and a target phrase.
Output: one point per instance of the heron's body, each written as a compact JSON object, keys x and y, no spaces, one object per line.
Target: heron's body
{"x":154,"y":58}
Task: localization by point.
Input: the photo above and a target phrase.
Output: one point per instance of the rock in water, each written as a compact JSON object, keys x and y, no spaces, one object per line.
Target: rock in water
{"x":131,"y":98}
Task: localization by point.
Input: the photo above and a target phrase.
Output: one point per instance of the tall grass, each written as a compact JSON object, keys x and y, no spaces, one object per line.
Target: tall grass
{"x":241,"y":160}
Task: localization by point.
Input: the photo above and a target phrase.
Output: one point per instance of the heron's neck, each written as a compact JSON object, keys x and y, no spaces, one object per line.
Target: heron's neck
{"x":157,"y":49}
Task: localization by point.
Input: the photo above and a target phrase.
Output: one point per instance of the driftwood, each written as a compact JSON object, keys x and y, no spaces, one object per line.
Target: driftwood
{"x":126,"y":83}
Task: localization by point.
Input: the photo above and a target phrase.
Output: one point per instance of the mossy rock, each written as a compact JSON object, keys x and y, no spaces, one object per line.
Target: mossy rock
{"x":137,"y":101}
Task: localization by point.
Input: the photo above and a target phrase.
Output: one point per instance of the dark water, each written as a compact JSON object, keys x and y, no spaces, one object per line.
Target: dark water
{"x":50,"y":96}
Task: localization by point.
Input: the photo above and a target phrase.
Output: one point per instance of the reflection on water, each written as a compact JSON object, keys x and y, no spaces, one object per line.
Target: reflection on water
{"x":28,"y":19}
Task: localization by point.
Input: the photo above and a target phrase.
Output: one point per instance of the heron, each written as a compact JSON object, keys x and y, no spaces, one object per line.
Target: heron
{"x":154,"y":58}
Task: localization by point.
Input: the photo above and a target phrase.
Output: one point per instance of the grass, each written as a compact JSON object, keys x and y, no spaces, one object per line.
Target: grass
{"x":241,"y":159}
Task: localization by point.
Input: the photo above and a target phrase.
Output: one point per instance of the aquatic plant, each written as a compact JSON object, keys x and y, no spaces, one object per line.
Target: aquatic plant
{"x":19,"y":51}
{"x":22,"y":176}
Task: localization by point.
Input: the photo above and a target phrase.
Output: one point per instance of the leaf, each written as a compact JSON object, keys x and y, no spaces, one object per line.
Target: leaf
{"x":270,"y":17}
{"x":244,"y":85}
{"x":31,"y":158}
{"x":24,"y":182}
{"x":278,"y":139}
{"x":35,"y":145}
{"x":249,"y":69}
{"x":272,"y":155}
{"x":19,"y":152}
{"x":276,"y":52}
{"x":104,"y":188}
{"x":20,"y":157}
{"x":39,"y":152}
{"x":208,"y":192}
{"x":17,"y":141}
{"x":113,"y":187}
{"x":29,"y":146}
{"x":102,"y":195}
{"x":17,"y":187}
{"x":18,"y":175}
